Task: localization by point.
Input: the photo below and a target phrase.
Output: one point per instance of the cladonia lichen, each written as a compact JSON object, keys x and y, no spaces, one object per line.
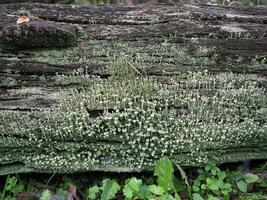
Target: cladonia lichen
{"x":128,"y":121}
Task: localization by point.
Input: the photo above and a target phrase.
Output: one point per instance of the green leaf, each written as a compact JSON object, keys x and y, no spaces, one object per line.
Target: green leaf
{"x":203,"y":187}
{"x":208,"y":180}
{"x":46,"y":195}
{"x":207,"y":168}
{"x":217,"y":169}
{"x":11,"y":183}
{"x":92,"y":192}
{"x":213,"y":187}
{"x":221,"y":175}
{"x":219,"y":183}
{"x":197,"y":183}
{"x":177,"y":197}
{"x":251,"y":178}
{"x":237,"y":175}
{"x":196,"y":196}
{"x":213,"y":198}
{"x":144,"y":193}
{"x":195,"y":188}
{"x":12,"y":186}
{"x":132,"y":187}
{"x":242,"y":186}
{"x":157,"y":190}
{"x":225,"y":192}
{"x":110,"y":189}
{"x":213,"y":171}
{"x":167,"y":197}
{"x":164,"y":171}
{"x":201,"y":177}
{"x":212,"y":184}
{"x":227,"y":186}
{"x":183,"y":174}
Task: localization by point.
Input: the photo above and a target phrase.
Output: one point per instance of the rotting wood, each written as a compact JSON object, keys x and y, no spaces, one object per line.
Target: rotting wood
{"x":55,"y":98}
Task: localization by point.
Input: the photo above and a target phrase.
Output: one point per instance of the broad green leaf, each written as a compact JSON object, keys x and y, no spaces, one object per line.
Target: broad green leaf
{"x":219,"y":183}
{"x":177,"y":197}
{"x":92,"y":192}
{"x":195,"y":188}
{"x":132,"y":187}
{"x":144,"y":193}
{"x":213,"y":171}
{"x":164,"y":171}
{"x":110,"y":189}
{"x":212,"y":184}
{"x":157,"y":190}
{"x":196,"y":196}
{"x":251,"y":178}
{"x":227,"y":186}
{"x":221,"y":175}
{"x":237,"y":175}
{"x":197,"y":183}
{"x":213,"y":187}
{"x":242,"y":186}
{"x":217,"y":169}
{"x":208,"y":180}
{"x":225,"y":192}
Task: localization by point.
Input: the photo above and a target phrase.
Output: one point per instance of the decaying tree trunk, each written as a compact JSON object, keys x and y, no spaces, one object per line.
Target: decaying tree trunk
{"x":114,"y":88}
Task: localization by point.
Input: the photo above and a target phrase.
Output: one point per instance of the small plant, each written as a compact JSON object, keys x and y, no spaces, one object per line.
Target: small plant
{"x":164,"y":171}
{"x":46,"y":195}
{"x":108,"y":190}
{"x":212,"y":184}
{"x":63,"y":188}
{"x":134,"y":188}
{"x":91,"y":193}
{"x":11,"y":188}
{"x":243,"y":180}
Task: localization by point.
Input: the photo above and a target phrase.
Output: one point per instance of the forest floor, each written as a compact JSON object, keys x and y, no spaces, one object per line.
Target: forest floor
{"x":248,"y":181}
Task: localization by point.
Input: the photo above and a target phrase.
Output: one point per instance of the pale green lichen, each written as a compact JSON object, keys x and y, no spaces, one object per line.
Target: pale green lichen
{"x":128,"y":121}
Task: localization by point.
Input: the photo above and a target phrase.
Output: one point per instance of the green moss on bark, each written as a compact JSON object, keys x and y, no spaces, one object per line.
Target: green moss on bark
{"x":127,"y":122}
{"x":37,"y":33}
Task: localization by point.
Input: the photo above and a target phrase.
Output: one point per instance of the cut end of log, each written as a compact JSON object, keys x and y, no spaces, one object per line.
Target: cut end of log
{"x":39,"y":33}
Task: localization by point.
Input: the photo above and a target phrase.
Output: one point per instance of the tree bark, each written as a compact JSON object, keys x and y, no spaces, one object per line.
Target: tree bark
{"x":193,"y":76}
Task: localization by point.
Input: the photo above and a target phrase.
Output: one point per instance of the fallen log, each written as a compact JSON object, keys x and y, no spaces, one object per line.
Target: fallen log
{"x":114,"y":88}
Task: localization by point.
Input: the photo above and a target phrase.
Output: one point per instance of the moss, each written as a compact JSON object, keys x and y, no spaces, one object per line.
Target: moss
{"x":8,"y":82}
{"x":37,"y":33}
{"x":23,"y":12}
{"x":192,"y":117}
